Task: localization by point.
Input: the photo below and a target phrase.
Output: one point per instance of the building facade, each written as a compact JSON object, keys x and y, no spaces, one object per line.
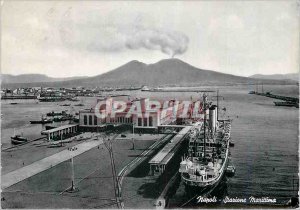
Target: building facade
{"x":146,"y":118}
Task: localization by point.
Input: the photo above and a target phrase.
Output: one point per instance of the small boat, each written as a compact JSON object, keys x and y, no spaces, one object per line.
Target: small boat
{"x":42,"y":121}
{"x":18,"y":139}
{"x":13,"y":103}
{"x":145,"y":88}
{"x":230,"y":171}
{"x":52,"y":114}
{"x":63,"y":118}
{"x":252,"y":92}
{"x":66,"y":105}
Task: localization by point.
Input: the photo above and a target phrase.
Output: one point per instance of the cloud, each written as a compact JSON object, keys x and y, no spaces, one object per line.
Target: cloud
{"x":116,"y":38}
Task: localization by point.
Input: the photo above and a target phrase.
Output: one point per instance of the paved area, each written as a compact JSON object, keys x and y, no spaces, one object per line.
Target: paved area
{"x":23,"y":173}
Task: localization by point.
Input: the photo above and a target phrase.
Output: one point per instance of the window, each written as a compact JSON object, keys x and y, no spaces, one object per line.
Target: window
{"x":85,"y":120}
{"x":139,"y":121}
{"x":90,"y":120}
{"x":95,"y":120}
{"x":145,"y":121}
{"x":150,"y":121}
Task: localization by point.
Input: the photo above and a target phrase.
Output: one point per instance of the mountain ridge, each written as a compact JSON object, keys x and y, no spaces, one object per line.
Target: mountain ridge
{"x":31,"y":78}
{"x":164,"y":72}
{"x":291,"y":76}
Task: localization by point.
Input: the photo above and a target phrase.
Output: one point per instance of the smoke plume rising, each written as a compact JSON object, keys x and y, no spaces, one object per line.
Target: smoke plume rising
{"x":170,"y":43}
{"x":114,"y":38}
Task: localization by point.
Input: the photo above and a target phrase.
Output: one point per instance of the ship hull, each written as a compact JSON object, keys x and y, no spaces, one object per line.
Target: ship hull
{"x":40,"y":122}
{"x":201,"y":188}
{"x":192,"y":189}
{"x":16,"y":140}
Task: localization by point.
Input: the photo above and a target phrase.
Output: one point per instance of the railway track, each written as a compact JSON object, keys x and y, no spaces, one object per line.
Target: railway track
{"x":130,"y":165}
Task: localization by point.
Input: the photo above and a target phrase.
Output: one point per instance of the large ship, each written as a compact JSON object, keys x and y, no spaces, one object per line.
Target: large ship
{"x":51,"y":97}
{"x":208,"y":152}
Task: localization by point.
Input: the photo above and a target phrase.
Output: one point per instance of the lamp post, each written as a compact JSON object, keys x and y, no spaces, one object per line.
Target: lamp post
{"x":109,"y":147}
{"x":133,"y":136}
{"x":72,"y":188}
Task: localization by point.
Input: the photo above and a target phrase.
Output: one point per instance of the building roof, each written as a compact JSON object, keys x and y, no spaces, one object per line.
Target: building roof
{"x":167,"y":152}
{"x":58,"y":128}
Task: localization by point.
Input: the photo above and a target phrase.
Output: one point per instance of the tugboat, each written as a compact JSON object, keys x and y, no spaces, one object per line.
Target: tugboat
{"x":18,"y":139}
{"x":208,"y":151}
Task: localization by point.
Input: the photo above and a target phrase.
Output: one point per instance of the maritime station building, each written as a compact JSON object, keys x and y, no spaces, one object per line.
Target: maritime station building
{"x":148,"y":119}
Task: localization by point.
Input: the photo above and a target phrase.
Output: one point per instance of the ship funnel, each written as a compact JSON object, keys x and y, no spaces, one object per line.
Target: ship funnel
{"x":213,"y":118}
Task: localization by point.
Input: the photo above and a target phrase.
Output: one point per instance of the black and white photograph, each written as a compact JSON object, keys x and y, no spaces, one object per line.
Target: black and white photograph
{"x":147,"y":104}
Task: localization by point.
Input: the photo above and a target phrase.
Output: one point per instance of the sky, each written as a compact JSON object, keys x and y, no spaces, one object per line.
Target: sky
{"x":86,"y":38}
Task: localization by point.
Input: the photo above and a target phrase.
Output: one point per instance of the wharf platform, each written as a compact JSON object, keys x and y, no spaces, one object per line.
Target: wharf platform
{"x":23,"y":173}
{"x":161,"y":159}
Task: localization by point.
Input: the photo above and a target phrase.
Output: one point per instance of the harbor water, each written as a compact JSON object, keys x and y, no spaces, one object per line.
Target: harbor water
{"x":265,"y":154}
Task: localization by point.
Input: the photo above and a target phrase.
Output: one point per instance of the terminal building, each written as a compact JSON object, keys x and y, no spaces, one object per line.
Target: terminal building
{"x":88,"y":120}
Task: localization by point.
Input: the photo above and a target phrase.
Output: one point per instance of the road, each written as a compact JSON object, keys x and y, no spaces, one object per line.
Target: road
{"x":23,"y":173}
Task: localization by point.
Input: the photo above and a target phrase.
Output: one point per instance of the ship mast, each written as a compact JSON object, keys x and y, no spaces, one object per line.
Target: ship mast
{"x":204,"y":125}
{"x":217,"y":105}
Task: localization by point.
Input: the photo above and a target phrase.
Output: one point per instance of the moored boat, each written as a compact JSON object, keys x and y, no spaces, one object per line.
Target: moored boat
{"x":52,"y":114}
{"x":286,"y":103}
{"x":18,"y":139}
{"x":42,"y":121}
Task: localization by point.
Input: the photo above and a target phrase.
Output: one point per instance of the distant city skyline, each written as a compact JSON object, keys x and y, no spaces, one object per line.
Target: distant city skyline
{"x":88,"y":38}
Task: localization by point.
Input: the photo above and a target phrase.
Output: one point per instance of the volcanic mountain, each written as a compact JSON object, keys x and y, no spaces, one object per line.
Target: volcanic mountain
{"x":164,"y":72}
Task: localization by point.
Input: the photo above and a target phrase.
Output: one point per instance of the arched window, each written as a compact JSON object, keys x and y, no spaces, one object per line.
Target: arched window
{"x":85,"y":120}
{"x":95,"y":120}
{"x":150,"y":121}
{"x":90,"y":120}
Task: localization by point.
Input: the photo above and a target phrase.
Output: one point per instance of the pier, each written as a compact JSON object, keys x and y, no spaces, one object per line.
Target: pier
{"x":59,"y":132}
{"x":270,"y":95}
